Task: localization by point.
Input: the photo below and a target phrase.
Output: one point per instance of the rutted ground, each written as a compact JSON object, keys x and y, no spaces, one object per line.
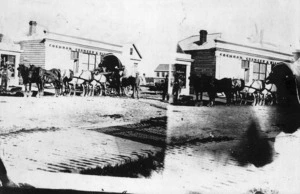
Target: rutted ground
{"x":54,"y":134}
{"x":208,"y":150}
{"x":74,"y":112}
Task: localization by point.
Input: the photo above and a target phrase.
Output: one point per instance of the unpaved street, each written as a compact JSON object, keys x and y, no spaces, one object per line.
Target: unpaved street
{"x":236,"y":149}
{"x":74,"y":112}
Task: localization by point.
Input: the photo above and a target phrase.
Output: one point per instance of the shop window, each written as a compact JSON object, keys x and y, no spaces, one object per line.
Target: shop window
{"x":135,"y":67}
{"x":259,"y":71}
{"x":181,"y":71}
{"x":92,"y":62}
{"x":88,"y":62}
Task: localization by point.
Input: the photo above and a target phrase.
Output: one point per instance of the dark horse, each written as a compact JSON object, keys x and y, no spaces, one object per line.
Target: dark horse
{"x":44,"y":76}
{"x":286,"y":82}
{"x":221,"y":86}
{"x":29,"y":77}
{"x":53,"y":76}
{"x":66,"y":78}
{"x":201,"y":84}
{"x":133,"y":82}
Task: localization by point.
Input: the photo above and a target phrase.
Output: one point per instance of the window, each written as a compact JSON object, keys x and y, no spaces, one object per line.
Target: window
{"x":259,"y":71}
{"x":163,"y":74}
{"x":74,"y":55}
{"x":131,"y":51}
{"x":157,"y":74}
{"x":245,"y":64}
{"x":92,"y":62}
{"x":88,"y":61}
{"x":135,"y":68}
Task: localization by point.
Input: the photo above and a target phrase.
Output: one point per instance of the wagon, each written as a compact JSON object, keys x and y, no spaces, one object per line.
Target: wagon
{"x":109,"y":87}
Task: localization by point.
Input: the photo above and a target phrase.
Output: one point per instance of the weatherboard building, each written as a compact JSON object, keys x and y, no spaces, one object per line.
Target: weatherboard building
{"x":221,"y":58}
{"x":53,"y":50}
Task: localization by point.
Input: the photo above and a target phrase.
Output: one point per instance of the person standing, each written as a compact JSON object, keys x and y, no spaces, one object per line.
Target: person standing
{"x":4,"y":78}
{"x":165,"y":88}
{"x":143,"y":79}
{"x":176,"y":87}
{"x":136,"y":86}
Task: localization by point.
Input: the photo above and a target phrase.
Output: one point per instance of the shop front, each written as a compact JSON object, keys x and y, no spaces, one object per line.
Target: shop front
{"x":10,"y":57}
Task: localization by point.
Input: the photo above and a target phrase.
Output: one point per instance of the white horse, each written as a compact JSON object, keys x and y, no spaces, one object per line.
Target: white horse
{"x":269,"y":94}
{"x":83,"y":78}
{"x":99,"y":80}
{"x":252,"y":89}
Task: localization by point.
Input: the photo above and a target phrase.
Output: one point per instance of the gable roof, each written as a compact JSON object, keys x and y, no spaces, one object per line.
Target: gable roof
{"x":214,"y":40}
{"x":137,"y":51}
{"x":164,"y":67}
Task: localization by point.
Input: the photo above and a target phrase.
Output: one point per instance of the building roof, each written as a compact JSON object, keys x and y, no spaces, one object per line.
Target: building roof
{"x":164,"y":67}
{"x":45,"y":35}
{"x":244,"y":48}
{"x":137,"y":51}
{"x":6,"y":44}
{"x":193,"y":42}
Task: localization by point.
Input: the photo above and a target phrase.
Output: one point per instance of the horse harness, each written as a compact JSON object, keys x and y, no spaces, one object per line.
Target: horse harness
{"x":83,"y":78}
{"x":251,"y":86}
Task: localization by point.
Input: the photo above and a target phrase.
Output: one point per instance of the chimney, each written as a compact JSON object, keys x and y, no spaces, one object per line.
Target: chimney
{"x":203,"y":36}
{"x":1,"y":37}
{"x":32,"y":28}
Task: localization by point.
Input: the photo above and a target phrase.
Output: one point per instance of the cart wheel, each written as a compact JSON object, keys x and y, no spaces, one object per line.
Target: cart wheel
{"x":100,"y":90}
{"x":97,"y":91}
{"x":108,"y":91}
{"x":127,"y":90}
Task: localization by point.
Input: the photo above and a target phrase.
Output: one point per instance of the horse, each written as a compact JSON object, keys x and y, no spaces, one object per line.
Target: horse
{"x":66,"y":77}
{"x":269,"y":94}
{"x":30,"y":77}
{"x":287,"y":82}
{"x":220,"y":86}
{"x":237,"y":86}
{"x":53,"y":77}
{"x":83,"y":78}
{"x":133,"y":82}
{"x":252,"y":90}
{"x":99,"y":80}
{"x":201,"y":84}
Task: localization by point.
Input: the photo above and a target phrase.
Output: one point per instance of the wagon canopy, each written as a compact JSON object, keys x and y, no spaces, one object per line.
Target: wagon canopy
{"x":110,"y":61}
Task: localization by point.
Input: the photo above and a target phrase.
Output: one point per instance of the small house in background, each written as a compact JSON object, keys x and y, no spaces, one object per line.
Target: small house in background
{"x":161,"y":71}
{"x":221,"y":58}
{"x":132,"y":58}
{"x":181,"y":64}
{"x":10,"y":57}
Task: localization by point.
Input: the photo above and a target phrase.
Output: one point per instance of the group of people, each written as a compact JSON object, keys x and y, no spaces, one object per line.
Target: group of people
{"x":5,"y":74}
{"x":122,"y":77}
{"x":176,"y":87}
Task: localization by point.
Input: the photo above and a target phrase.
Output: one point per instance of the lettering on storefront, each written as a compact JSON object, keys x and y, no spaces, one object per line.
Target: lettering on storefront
{"x":77,"y":49}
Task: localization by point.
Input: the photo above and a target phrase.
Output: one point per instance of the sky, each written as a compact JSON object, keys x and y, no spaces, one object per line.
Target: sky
{"x":155,"y":26}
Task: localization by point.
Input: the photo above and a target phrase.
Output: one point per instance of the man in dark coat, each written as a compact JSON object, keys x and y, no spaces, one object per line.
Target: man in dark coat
{"x":165,"y":88}
{"x":176,"y":87}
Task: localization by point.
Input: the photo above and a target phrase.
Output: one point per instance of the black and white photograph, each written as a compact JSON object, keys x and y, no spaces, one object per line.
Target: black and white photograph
{"x":150,"y":96}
